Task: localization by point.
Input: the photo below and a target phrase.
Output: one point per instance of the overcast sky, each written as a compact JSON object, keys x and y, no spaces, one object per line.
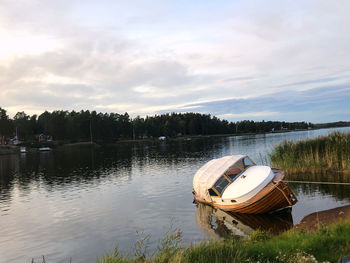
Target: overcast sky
{"x":271,"y":60}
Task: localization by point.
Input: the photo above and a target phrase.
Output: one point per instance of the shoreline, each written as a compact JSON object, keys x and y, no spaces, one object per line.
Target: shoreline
{"x":8,"y":149}
{"x":323,"y":218}
{"x":320,"y":244}
{"x":12,"y":149}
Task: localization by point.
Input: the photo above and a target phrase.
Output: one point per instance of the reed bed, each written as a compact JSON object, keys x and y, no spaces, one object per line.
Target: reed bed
{"x":321,"y":154}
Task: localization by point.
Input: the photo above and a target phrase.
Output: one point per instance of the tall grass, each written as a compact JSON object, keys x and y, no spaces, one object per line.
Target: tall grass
{"x":327,"y":244}
{"x":324,"y":153}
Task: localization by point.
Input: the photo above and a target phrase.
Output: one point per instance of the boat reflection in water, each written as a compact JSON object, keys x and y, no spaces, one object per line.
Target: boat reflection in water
{"x":219,"y":224}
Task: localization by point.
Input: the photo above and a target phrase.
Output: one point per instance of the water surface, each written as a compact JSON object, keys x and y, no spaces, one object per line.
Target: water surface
{"x":80,"y":203}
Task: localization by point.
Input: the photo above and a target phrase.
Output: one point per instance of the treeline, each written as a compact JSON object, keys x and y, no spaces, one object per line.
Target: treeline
{"x":108,"y":127}
{"x":332,"y":124}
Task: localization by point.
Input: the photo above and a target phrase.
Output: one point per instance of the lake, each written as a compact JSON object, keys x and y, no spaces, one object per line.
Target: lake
{"x":82,"y":202}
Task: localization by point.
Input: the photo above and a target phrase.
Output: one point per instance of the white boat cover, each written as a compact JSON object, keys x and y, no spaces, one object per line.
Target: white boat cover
{"x":209,"y":173}
{"x":252,"y":181}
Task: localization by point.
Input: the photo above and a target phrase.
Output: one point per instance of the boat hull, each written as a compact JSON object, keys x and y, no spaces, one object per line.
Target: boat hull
{"x":275,"y":196}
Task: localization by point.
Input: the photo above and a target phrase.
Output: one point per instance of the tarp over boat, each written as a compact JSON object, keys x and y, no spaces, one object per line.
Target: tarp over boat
{"x":209,"y":173}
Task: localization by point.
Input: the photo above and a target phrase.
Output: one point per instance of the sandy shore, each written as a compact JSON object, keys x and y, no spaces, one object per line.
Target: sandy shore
{"x":324,"y":218}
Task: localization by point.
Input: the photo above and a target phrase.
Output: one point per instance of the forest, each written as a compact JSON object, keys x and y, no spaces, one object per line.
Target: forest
{"x":85,"y":125}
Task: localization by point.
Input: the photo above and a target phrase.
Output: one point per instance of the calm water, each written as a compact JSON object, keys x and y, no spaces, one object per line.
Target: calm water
{"x":81,"y":203}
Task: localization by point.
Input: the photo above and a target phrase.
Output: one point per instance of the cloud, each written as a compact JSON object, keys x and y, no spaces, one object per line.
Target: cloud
{"x":232,"y":59}
{"x":247,"y":115}
{"x":317,"y":105}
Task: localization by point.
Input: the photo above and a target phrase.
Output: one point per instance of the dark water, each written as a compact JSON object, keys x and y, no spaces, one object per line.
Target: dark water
{"x":80,"y":203}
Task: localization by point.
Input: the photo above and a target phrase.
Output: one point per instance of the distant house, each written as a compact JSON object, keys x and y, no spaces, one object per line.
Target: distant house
{"x":44,"y":138}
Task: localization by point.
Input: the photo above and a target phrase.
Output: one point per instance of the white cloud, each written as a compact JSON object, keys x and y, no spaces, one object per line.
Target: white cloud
{"x":247,"y":115}
{"x":143,"y":57}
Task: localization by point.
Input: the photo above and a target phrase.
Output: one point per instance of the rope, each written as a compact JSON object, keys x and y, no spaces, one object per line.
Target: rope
{"x":284,"y":194}
{"x":308,"y":182}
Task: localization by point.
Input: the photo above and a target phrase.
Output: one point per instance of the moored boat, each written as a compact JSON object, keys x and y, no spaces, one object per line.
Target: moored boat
{"x":235,"y":183}
{"x":23,"y":150}
{"x":45,"y":149}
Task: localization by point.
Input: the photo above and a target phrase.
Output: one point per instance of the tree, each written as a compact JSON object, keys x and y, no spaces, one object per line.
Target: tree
{"x":6,"y":128}
{"x":22,"y":124}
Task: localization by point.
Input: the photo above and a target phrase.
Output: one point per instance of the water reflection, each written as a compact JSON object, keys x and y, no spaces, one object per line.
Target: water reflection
{"x":337,"y":191}
{"x":220,"y":224}
{"x":81,"y":202}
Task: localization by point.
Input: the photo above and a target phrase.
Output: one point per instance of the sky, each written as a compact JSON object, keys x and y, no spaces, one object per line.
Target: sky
{"x":257,"y":60}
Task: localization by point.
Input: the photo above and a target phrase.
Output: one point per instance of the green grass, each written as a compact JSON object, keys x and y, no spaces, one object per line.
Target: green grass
{"x":327,"y":244}
{"x":324,"y":153}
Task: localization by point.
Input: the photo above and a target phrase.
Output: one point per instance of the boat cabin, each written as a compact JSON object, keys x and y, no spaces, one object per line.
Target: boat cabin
{"x":229,"y":176}
{"x":216,"y":175}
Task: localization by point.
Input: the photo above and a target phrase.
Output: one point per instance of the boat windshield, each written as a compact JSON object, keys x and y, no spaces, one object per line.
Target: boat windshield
{"x":238,"y":168}
{"x":247,"y":162}
{"x":221,"y":184}
{"x":233,"y":172}
{"x":230,"y":175}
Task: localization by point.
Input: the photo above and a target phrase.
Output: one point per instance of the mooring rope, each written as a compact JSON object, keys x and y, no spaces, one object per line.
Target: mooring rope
{"x":310,"y":182}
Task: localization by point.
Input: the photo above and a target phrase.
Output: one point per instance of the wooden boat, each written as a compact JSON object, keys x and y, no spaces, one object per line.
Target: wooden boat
{"x":23,"y":150}
{"x":45,"y":149}
{"x":235,"y":183}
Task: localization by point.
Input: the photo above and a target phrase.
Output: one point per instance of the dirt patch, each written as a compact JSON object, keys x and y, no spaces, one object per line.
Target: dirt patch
{"x":324,"y":218}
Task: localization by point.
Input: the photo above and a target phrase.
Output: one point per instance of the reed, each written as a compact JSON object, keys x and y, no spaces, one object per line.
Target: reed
{"x":321,"y":154}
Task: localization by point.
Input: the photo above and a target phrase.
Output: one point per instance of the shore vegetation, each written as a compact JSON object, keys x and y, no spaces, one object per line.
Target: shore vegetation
{"x":322,"y":154}
{"x":326,"y":244}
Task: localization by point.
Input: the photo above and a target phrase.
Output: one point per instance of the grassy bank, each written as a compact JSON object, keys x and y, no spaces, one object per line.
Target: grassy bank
{"x":324,"y":153}
{"x":326,"y":244}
